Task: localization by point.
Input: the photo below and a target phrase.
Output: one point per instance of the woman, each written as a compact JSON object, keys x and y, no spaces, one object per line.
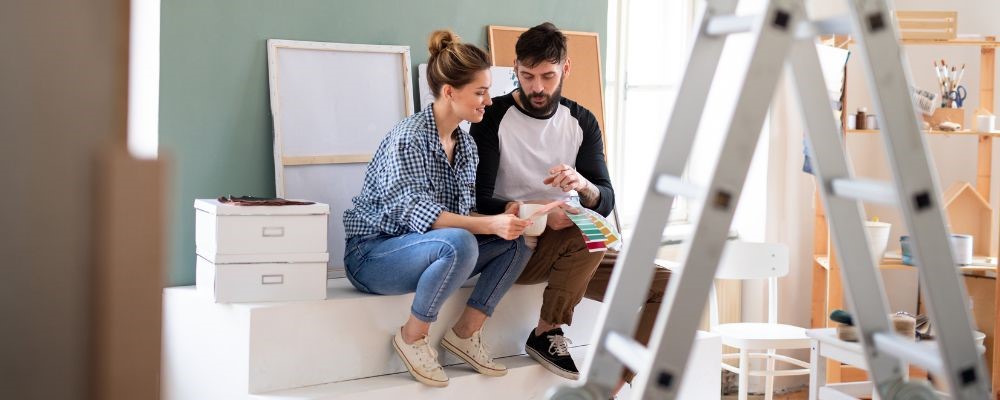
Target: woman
{"x":411,"y":230}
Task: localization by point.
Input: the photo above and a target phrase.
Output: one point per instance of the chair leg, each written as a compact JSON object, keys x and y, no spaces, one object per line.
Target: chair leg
{"x":744,"y":384}
{"x":769,"y":385}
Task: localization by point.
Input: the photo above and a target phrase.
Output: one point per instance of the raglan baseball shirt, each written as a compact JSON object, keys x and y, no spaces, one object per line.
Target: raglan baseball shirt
{"x":516,"y":151}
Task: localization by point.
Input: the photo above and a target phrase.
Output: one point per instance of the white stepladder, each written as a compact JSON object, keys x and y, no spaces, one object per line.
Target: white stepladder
{"x":785,"y":36}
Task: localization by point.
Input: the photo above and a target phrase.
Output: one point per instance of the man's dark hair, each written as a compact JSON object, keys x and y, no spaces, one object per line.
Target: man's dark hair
{"x":541,"y":43}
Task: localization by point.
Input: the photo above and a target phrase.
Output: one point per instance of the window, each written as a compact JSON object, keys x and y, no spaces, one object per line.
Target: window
{"x":144,"y":79}
{"x":649,"y":47}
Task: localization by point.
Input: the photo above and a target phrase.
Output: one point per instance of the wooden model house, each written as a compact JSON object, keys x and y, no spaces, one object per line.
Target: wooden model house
{"x":969,"y":213}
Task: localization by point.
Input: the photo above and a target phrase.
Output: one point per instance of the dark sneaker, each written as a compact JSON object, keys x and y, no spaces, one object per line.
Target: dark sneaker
{"x":551,"y":349}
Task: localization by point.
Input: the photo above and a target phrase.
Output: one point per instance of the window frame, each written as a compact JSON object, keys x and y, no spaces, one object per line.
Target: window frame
{"x":619,"y":86}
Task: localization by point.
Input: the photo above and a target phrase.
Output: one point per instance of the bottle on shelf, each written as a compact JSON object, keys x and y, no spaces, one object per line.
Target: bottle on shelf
{"x":861,"y":119}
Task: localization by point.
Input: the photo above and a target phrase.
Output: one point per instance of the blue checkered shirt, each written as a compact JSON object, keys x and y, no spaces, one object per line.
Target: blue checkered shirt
{"x":409,"y":181}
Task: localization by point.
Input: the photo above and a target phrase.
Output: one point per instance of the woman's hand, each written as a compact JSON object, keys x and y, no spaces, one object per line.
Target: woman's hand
{"x":507,"y":226}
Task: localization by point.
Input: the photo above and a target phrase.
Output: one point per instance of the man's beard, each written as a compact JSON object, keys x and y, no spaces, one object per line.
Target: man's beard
{"x":550,"y":105}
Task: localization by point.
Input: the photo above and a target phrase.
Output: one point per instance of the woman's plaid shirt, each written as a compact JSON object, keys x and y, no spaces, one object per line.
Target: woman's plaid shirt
{"x":409,"y":181}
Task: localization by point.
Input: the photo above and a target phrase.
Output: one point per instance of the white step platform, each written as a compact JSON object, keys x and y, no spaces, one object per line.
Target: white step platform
{"x":525,"y":379}
{"x":229,"y":351}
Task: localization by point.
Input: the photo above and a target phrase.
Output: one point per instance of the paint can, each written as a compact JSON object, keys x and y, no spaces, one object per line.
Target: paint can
{"x":961,"y":249}
{"x":872,"y":122}
{"x":986,"y":123}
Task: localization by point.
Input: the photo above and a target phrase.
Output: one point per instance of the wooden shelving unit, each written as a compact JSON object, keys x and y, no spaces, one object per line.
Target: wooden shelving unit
{"x":827,"y":287}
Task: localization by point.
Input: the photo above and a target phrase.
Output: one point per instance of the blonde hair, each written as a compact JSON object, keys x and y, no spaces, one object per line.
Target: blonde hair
{"x":452,"y":62}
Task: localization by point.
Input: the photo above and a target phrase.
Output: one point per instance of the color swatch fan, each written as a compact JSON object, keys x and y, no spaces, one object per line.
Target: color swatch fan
{"x":597,"y":232}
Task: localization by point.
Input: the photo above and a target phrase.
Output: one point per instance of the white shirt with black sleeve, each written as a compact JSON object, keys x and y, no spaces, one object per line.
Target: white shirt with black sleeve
{"x":516,"y":151}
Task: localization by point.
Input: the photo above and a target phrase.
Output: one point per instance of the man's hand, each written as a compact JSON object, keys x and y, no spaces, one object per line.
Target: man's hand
{"x":557,"y":218}
{"x":513,"y":208}
{"x":566,"y":178}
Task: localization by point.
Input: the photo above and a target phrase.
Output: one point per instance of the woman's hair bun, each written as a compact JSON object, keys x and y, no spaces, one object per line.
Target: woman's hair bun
{"x":452,"y":62}
{"x":440,"y":40}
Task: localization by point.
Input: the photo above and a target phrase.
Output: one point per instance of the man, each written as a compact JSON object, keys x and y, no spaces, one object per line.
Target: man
{"x":536,"y":146}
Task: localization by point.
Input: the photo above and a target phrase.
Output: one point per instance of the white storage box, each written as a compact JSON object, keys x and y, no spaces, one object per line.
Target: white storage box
{"x":262,"y":282}
{"x":226,"y":233}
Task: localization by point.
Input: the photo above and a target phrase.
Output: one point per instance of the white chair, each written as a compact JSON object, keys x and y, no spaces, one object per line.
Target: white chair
{"x":743,"y":261}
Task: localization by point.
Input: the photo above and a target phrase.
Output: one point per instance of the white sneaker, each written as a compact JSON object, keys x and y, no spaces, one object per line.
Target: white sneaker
{"x":421,"y":360}
{"x":474,"y":352}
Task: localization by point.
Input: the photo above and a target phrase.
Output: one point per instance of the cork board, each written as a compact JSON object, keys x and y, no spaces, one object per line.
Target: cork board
{"x":583,"y":85}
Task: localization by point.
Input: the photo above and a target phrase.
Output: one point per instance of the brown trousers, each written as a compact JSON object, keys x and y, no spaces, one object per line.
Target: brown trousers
{"x":561,"y":259}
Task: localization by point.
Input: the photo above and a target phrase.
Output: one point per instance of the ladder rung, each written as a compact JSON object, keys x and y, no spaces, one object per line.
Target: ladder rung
{"x":631,"y":353}
{"x":729,"y":24}
{"x":865,"y":190}
{"x":670,"y":185}
{"x":840,"y":25}
{"x":922,"y":354}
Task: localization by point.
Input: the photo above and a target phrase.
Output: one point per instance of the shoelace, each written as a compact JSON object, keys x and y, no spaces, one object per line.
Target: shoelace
{"x":483,"y":353}
{"x":559,"y":345}
{"x":427,"y":359}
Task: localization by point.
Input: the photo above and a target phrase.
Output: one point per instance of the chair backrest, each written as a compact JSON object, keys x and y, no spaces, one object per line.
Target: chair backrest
{"x":745,"y":260}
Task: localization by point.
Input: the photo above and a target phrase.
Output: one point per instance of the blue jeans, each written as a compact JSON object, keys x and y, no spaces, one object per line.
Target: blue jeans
{"x":434,"y":265}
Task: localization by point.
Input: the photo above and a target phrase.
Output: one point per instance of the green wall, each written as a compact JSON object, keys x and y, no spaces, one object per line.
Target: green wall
{"x":215,"y":122}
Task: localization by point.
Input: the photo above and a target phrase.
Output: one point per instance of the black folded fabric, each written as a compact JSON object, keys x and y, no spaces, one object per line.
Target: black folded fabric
{"x":261,"y":201}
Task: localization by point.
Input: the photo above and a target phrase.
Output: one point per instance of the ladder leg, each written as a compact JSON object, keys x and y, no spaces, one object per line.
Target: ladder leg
{"x":675,"y":327}
{"x":633,"y":268}
{"x":919,"y":199}
{"x":661,"y":366}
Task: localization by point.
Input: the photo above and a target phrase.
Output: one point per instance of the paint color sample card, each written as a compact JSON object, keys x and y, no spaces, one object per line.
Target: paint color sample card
{"x":598,"y":234}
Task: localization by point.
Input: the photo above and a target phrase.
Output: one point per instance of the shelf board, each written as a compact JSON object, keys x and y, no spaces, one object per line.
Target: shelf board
{"x":971,"y":41}
{"x":897,"y":264}
{"x":975,"y":42}
{"x":933,"y":132}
